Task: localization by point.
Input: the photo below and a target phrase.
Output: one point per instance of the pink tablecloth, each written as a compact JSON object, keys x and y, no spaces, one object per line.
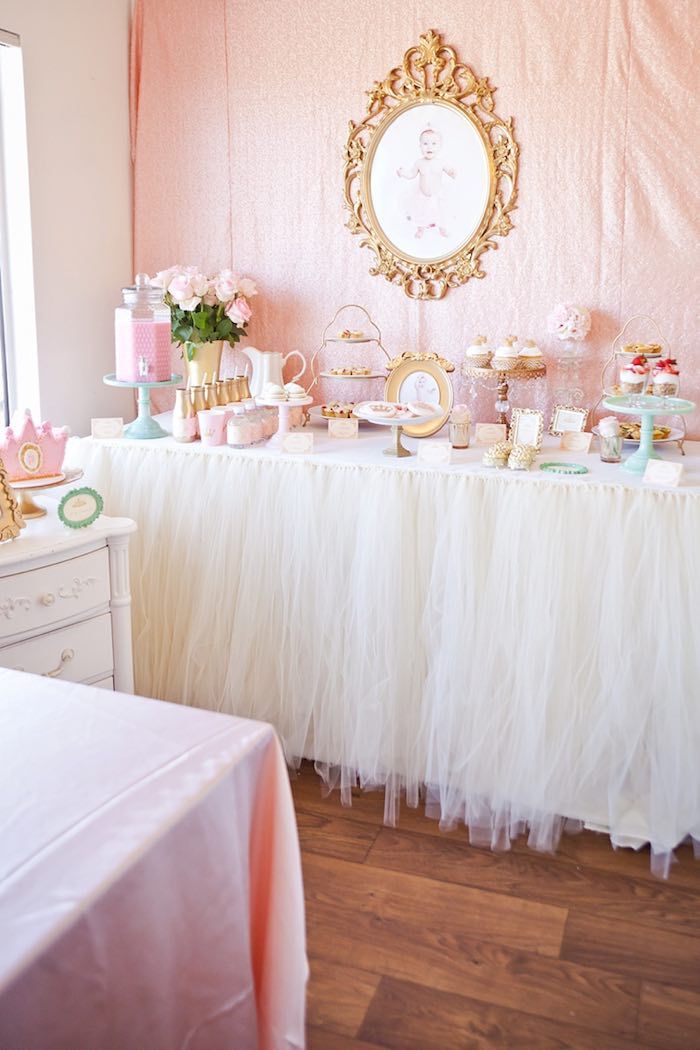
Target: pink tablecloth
{"x":150,"y":880}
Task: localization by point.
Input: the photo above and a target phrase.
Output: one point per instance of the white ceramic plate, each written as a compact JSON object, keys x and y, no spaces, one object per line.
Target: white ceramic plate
{"x":367,"y":375}
{"x":394,"y":421}
{"x":675,"y":435}
{"x":356,"y":339}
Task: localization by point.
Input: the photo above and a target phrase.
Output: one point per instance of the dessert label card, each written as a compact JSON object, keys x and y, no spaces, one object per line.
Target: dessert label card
{"x":298,"y":441}
{"x":576,"y":441}
{"x":107,"y":427}
{"x":343,"y":428}
{"x":435,"y":453}
{"x":489,"y":433}
{"x":661,"y":472}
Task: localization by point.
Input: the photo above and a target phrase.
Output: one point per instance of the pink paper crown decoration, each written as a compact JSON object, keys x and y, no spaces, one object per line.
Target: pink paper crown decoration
{"x":32,"y":452}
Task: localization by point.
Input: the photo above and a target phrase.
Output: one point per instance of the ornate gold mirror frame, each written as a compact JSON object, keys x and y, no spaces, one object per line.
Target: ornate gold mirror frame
{"x":430,"y":172}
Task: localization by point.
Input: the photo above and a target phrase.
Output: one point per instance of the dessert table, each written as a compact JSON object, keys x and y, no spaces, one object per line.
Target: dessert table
{"x":523,"y":645}
{"x":150,"y":882}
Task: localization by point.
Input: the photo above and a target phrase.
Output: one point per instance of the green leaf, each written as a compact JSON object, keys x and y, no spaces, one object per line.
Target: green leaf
{"x":182,"y":333}
{"x":200,"y":320}
{"x":225,"y":327}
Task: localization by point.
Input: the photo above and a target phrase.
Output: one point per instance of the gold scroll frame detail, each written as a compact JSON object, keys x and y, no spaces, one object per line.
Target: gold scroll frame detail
{"x":430,"y":72}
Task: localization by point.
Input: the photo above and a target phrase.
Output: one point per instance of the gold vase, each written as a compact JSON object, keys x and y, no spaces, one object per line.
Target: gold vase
{"x":206,"y":361}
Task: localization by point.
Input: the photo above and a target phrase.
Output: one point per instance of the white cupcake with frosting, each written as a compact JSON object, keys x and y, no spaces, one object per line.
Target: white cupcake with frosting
{"x":506,"y":356}
{"x":478,"y":355}
{"x":530,"y":355}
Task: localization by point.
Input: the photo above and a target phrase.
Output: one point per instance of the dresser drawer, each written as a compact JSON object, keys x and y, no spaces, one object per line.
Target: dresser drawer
{"x":83,"y":650}
{"x":39,"y":598}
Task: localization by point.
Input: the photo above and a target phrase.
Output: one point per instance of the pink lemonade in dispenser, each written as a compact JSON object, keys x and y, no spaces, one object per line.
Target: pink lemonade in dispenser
{"x":142,"y":334}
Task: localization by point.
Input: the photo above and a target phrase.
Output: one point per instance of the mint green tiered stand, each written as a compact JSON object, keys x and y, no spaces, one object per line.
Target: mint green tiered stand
{"x":646,"y":407}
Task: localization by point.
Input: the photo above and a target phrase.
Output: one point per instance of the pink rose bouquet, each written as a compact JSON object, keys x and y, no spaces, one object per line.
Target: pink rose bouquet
{"x":569,"y":322}
{"x":205,"y":308}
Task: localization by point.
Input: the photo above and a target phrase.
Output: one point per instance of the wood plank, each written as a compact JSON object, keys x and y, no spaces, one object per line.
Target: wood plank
{"x":590,"y":849}
{"x":631,"y":949}
{"x":416,"y":901}
{"x":537,"y":876}
{"x":338,"y":996}
{"x":322,"y":1039}
{"x":334,"y":836}
{"x":669,"y":1017}
{"x":411,"y":1017}
{"x":367,"y":806}
{"x":460,"y":940}
{"x":593,"y":850}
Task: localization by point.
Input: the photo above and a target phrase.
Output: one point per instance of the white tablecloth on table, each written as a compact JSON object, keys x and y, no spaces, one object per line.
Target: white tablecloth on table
{"x":526,"y":645}
{"x":150,"y":885}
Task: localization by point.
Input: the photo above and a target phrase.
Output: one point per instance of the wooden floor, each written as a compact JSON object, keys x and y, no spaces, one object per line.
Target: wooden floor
{"x":417,"y":940}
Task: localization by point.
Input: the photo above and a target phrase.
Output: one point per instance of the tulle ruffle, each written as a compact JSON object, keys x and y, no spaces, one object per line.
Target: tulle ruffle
{"x":524,"y":652}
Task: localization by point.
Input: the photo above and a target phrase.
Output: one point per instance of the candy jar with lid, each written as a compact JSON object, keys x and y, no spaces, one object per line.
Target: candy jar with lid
{"x":142,"y":334}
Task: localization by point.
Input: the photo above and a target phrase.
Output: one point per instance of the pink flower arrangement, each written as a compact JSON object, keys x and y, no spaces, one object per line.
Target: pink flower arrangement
{"x":569,"y":322}
{"x":205,"y":308}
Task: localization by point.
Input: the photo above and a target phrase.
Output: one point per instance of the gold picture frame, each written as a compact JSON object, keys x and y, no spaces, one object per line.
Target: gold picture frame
{"x":11,"y":517}
{"x":526,"y":424}
{"x":404,"y":384}
{"x":565,"y":415}
{"x":430,"y":236}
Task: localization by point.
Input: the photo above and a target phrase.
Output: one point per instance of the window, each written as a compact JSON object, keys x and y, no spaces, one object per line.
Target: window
{"x":19,"y":381}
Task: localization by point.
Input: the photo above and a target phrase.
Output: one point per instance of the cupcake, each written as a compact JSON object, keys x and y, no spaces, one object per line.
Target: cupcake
{"x":478,"y":355}
{"x":633,"y":377}
{"x":530,"y":356}
{"x":294,"y":392}
{"x":665,"y":378}
{"x":506,"y":356}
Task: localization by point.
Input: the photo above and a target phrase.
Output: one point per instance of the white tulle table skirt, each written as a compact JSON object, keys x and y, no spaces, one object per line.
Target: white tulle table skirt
{"x":525,"y":649}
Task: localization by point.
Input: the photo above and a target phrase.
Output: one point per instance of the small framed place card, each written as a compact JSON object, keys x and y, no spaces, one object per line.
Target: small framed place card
{"x":80,"y":508}
{"x":435,"y":453}
{"x":107,"y":427}
{"x":527,"y":427}
{"x":576,"y":441}
{"x":567,"y":417}
{"x":343,"y":428}
{"x":661,"y":472}
{"x":489,"y":433}
{"x":298,"y":441}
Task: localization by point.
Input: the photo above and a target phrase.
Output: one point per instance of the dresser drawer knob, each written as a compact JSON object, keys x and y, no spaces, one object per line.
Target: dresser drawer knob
{"x":48,"y":599}
{"x":66,"y":656}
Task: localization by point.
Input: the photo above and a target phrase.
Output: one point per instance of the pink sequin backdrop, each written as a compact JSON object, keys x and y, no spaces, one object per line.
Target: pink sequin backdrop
{"x":239,"y":118}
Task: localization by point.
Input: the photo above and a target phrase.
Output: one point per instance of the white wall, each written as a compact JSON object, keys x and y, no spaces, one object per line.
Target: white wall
{"x":76,"y":56}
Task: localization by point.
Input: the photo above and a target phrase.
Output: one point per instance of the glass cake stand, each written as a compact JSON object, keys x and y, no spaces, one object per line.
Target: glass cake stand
{"x":286,"y":424}
{"x":396,"y":448}
{"x":646,"y":406}
{"x":144,"y":426}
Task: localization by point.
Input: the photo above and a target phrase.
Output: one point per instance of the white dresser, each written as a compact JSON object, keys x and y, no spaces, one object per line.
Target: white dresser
{"x":65,"y":603}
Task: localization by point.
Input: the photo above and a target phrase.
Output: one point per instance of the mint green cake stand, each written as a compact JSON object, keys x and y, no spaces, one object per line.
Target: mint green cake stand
{"x":646,"y":407}
{"x":144,"y":426}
